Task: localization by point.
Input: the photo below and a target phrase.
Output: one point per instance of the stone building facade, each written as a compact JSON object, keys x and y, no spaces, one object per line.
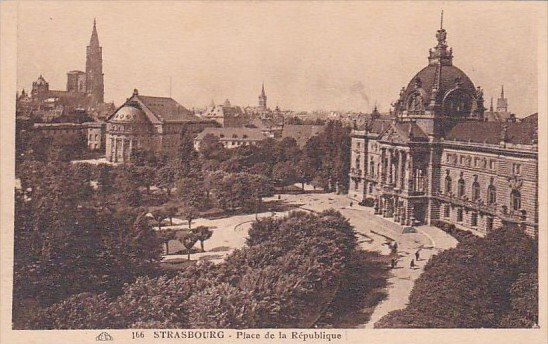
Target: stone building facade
{"x":438,"y":159}
{"x":151,"y":124}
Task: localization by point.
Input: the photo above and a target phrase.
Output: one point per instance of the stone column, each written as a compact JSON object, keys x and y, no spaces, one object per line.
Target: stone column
{"x":403,"y":214}
{"x":400,"y":169}
{"x":403,"y":168}
{"x":410,"y":172}
{"x":396,"y":210}
{"x":123,"y":150}
{"x":115,"y":149}
{"x":396,"y":167}
{"x":390,"y":169}
{"x":409,"y":214}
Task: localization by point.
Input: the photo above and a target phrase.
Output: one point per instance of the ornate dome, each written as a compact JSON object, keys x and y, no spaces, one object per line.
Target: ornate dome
{"x":440,"y":88}
{"x":129,"y":113}
{"x":450,"y":78}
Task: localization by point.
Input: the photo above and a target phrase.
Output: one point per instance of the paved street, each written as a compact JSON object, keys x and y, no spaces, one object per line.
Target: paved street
{"x":374,"y":234}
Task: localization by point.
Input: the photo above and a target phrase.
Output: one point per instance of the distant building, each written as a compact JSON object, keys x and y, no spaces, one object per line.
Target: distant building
{"x":301,"y":133}
{"x":262,"y":100}
{"x":261,"y":110}
{"x":267,"y":126}
{"x":440,"y":160}
{"x":64,"y":133}
{"x":84,"y":90}
{"x":231,"y":137}
{"x":226,"y":114}
{"x":96,"y":135}
{"x":149,"y":124}
{"x":501,"y":114}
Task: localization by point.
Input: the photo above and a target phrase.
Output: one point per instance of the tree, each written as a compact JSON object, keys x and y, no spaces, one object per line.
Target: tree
{"x":202,"y":233}
{"x":471,"y":286}
{"x":524,"y":300}
{"x":159,"y":214}
{"x":187,"y":155}
{"x":284,"y":173}
{"x":166,"y":236}
{"x":221,"y":306}
{"x":212,"y":149}
{"x":145,"y":175}
{"x":171,"y":210}
{"x":166,"y":177}
{"x":188,"y":240}
{"x":191,"y":192}
{"x":304,"y":172}
{"x":189,"y":213}
{"x":80,"y":311}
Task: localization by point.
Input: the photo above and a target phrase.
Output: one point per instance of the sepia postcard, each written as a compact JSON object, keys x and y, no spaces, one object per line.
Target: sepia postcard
{"x":273,"y":172}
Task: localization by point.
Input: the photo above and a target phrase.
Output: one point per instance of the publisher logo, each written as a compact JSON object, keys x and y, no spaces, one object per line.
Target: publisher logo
{"x":103,"y":337}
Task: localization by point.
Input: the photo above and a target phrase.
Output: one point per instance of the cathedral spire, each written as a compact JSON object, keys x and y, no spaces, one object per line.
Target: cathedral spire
{"x":94,"y":40}
{"x":262,"y":99}
{"x":94,"y":68}
{"x":502,"y":91}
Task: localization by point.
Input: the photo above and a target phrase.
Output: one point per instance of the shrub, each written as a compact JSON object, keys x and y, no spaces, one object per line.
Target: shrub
{"x":476,"y":284}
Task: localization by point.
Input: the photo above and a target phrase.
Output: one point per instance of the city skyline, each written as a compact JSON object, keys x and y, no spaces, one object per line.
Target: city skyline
{"x":257,"y":52}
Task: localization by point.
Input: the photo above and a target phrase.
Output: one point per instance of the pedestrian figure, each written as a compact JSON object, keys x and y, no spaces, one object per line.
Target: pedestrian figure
{"x":279,"y":196}
{"x":417,"y":255}
{"x":412,"y":265}
{"x":351,"y":203}
{"x":394,"y":248}
{"x":393,"y":263}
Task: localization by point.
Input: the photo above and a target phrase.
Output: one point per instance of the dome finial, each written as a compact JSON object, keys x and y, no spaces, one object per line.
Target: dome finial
{"x":441,"y":21}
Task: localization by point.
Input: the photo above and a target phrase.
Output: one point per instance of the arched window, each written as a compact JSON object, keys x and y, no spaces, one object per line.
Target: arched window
{"x":448,"y":185}
{"x":461,"y":187}
{"x":475,"y":191}
{"x":491,"y":194}
{"x":515,"y":200}
{"x":458,"y":104}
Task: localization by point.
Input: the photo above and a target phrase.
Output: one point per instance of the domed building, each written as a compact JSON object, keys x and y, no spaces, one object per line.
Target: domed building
{"x":439,"y":160}
{"x":152,"y":124}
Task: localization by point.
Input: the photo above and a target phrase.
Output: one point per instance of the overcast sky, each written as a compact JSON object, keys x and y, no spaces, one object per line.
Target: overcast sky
{"x":310,"y":55}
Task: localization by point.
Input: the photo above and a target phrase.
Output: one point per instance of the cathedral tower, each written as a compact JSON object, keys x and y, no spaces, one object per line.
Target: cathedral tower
{"x":502,"y":102}
{"x":94,"y":69}
{"x":262,"y":99}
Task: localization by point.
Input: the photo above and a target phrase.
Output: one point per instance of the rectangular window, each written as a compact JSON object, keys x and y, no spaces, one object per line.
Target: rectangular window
{"x":459,"y":215}
{"x":516,"y":169}
{"x":492,"y":164}
{"x":474,"y":220}
{"x":489,"y":224}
